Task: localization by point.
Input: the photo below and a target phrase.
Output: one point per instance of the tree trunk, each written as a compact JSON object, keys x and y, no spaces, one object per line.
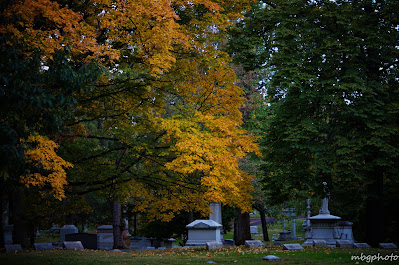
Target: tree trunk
{"x":264,"y":223}
{"x":2,"y":209}
{"x":21,"y":231}
{"x":375,"y":214}
{"x":135,"y":224}
{"x":116,"y":224}
{"x":190,"y":217}
{"x":242,"y":229}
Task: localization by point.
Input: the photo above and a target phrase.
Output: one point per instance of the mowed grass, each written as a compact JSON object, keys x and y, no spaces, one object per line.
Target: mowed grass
{"x":226,"y":255}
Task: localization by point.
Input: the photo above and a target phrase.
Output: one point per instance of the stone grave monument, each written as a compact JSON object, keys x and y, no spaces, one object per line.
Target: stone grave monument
{"x":284,"y":235}
{"x":216,"y":215}
{"x":202,"y":231}
{"x":344,"y":229}
{"x":67,"y":229}
{"x":323,"y":227}
{"x":105,"y":237}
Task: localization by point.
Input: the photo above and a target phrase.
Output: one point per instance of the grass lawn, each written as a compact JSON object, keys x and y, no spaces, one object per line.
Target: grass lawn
{"x":227,"y":255}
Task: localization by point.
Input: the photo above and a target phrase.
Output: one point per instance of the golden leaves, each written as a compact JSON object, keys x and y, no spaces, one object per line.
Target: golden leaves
{"x":47,"y":168}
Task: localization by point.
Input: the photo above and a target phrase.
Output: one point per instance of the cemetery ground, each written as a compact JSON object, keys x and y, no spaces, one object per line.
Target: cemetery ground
{"x":226,"y":255}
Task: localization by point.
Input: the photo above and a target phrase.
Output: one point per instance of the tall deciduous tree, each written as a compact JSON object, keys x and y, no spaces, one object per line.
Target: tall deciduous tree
{"x":162,"y":124}
{"x":333,"y":97}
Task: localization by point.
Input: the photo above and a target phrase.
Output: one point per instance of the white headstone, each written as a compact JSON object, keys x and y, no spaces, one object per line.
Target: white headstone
{"x":202,"y":231}
{"x":254,"y":229}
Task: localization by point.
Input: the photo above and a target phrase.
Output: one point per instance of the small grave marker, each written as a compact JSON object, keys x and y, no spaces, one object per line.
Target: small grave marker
{"x":212,"y":245}
{"x":43,"y":246}
{"x":388,"y":245}
{"x":292,"y":247}
{"x":13,"y":247}
{"x":344,"y":244}
{"x":271,"y":257}
{"x":361,"y":245}
{"x":319,"y":243}
{"x":73,"y":245}
{"x":254,"y":230}
{"x":253,"y":243}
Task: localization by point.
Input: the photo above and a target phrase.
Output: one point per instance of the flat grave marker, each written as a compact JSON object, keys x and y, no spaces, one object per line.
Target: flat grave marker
{"x":319,"y":243}
{"x":388,"y":245}
{"x":73,"y":245}
{"x":13,"y":247}
{"x":361,"y":245}
{"x":212,"y":245}
{"x":344,"y":244}
{"x":292,"y":247}
{"x":253,"y":243}
{"x":43,"y":246}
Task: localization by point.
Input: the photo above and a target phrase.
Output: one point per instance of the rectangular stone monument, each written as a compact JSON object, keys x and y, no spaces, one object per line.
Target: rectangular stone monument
{"x":213,"y":245}
{"x":319,"y":243}
{"x":361,"y":245}
{"x":170,"y":243}
{"x":254,"y":230}
{"x":292,"y":247}
{"x":202,"y":231}
{"x":89,"y":241}
{"x":105,"y":237}
{"x":13,"y":247}
{"x":67,"y":229}
{"x":387,"y":245}
{"x":140,"y":242}
{"x":43,"y":246}
{"x":344,"y":244}
{"x":253,"y":243}
{"x":73,"y":245}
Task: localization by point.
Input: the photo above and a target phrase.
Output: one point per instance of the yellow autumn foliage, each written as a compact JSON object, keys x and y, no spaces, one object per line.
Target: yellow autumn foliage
{"x":46,"y":168}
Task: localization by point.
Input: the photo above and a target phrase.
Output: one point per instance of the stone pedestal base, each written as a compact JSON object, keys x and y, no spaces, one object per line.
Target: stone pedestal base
{"x":284,"y":236}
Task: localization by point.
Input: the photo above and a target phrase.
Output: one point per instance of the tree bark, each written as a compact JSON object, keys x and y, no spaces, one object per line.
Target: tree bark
{"x":242,"y":229}
{"x":375,"y":213}
{"x":21,"y":233}
{"x":264,"y":223}
{"x":2,"y":202}
{"x":117,"y":224}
